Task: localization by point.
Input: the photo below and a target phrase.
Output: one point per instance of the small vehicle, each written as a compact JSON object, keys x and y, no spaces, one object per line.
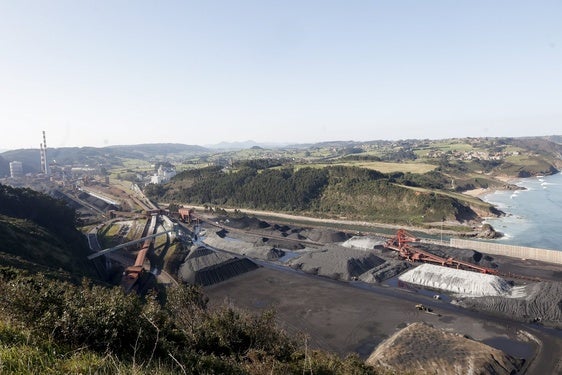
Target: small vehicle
{"x":426,"y":309}
{"x":421,"y":307}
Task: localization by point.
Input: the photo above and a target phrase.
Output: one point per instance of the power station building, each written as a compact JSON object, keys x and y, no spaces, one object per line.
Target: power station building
{"x":16,"y":169}
{"x":163,"y":175}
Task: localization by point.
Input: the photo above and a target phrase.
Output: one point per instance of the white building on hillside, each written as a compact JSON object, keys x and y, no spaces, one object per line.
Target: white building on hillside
{"x":163,"y":175}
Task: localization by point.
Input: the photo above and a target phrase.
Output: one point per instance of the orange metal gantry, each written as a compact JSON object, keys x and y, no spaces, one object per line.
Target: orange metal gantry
{"x":401,"y":244}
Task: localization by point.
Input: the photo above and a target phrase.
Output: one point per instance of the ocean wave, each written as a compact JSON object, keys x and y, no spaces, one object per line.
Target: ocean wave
{"x":506,"y":236}
{"x":533,"y":216}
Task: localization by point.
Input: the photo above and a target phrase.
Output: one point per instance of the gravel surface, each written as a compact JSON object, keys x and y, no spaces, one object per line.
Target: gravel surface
{"x":385,"y":271}
{"x":543,"y":303}
{"x":337,"y":262}
{"x":363,"y":242}
{"x":324,"y":235}
{"x":421,"y":349}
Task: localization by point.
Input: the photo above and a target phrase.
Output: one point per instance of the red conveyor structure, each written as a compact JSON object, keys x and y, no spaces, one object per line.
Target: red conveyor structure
{"x":401,"y":244}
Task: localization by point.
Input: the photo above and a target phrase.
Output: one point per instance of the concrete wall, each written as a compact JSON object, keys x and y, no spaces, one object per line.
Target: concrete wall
{"x":551,"y":256}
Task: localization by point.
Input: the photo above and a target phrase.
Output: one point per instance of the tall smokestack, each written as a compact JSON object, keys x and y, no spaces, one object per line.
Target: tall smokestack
{"x":42,"y":158}
{"x":47,"y":171}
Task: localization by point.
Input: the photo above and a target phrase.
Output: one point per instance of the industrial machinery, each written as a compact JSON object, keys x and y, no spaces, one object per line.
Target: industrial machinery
{"x":421,"y":307}
{"x":185,"y":214}
{"x":133,"y":272}
{"x":426,"y":309}
{"x":401,"y":244}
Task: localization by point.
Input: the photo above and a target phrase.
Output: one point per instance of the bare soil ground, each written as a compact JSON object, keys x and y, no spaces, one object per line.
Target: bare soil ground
{"x":345,"y":319}
{"x":439,"y":352}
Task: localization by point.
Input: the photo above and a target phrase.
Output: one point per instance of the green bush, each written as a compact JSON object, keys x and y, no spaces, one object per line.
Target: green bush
{"x":76,"y":327}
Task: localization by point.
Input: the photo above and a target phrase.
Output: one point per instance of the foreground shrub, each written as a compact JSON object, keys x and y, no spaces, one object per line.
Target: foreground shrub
{"x":87,"y":327}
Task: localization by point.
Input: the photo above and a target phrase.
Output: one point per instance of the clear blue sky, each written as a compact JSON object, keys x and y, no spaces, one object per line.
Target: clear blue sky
{"x":94,"y":73}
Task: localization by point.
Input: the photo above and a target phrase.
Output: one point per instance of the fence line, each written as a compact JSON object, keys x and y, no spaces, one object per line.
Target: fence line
{"x":550,"y":256}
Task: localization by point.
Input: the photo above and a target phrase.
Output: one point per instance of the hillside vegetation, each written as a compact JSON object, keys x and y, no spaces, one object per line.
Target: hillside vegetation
{"x":40,"y":229}
{"x":73,"y":329}
{"x":333,"y":191}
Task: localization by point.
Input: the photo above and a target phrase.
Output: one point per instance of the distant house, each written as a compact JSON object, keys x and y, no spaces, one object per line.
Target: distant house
{"x":163,"y":175}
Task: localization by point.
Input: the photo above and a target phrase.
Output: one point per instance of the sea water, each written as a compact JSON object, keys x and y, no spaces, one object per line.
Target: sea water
{"x":533,"y":215}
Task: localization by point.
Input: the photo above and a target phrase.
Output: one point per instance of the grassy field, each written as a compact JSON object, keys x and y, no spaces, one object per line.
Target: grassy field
{"x":136,"y":164}
{"x":130,"y":166}
{"x":381,"y":166}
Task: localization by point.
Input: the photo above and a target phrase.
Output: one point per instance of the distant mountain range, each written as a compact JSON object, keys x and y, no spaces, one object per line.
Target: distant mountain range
{"x":94,"y":156}
{"x":242,"y":145}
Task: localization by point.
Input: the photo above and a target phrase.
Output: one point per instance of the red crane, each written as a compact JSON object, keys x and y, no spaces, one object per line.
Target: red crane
{"x":401,"y":244}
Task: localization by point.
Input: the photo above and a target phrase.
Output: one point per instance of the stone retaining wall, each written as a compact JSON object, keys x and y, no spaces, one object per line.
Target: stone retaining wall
{"x":550,"y":256}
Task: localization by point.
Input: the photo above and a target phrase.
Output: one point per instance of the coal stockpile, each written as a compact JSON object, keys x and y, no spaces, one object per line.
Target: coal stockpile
{"x":324,"y":235}
{"x":542,"y":304}
{"x":207,"y":267}
{"x":335,"y":262}
{"x":247,"y":223}
{"x":385,"y":271}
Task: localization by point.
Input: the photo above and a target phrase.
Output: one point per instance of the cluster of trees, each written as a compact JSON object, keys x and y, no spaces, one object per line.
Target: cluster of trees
{"x":173,"y":333}
{"x":430,"y":180}
{"x":360,"y":157}
{"x":4,"y":167}
{"x":400,"y":155}
{"x":261,"y":163}
{"x":384,"y":201}
{"x":43,"y":210}
{"x":281,"y":189}
{"x":335,"y":190}
{"x":41,"y":229}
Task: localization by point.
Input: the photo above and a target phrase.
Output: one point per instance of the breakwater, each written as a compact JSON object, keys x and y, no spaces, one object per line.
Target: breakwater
{"x":550,"y":256}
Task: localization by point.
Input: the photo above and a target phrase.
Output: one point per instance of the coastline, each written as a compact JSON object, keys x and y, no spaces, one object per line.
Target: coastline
{"x":480,"y":192}
{"x":532,"y":218}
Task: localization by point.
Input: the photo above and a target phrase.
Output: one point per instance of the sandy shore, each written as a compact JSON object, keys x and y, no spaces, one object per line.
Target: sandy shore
{"x":477,"y":192}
